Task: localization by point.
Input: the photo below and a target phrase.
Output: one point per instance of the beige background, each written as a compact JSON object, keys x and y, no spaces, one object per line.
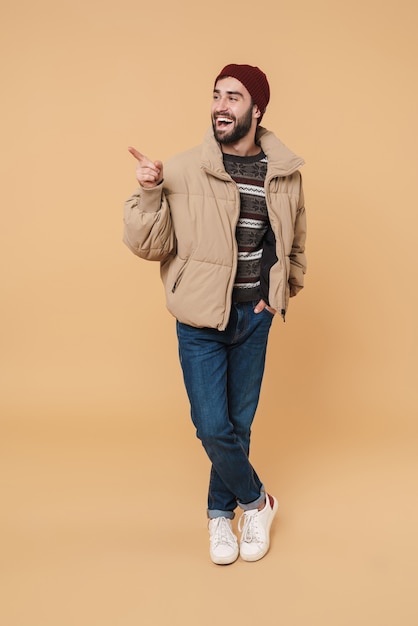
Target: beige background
{"x":103,"y":483}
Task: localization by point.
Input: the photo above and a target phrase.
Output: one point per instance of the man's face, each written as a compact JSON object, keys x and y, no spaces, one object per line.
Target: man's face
{"x":234,"y":115}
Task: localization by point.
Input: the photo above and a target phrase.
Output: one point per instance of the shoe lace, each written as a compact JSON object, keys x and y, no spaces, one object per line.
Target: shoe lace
{"x":222,"y":533}
{"x":248,"y":526}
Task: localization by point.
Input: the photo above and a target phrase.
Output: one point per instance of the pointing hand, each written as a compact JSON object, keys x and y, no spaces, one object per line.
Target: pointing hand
{"x":148,"y":173}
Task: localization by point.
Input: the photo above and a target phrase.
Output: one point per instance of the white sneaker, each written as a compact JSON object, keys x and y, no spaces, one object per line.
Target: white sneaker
{"x":255,"y":528}
{"x":223,"y":542}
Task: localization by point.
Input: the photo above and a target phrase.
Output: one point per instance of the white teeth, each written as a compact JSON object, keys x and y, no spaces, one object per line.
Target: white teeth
{"x":224,"y":119}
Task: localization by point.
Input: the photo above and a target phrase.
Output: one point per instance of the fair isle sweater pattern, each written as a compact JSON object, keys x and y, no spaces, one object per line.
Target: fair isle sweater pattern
{"x":249,"y":174}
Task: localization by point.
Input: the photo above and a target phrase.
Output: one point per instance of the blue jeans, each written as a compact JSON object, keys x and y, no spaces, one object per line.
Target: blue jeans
{"x":223,"y":371}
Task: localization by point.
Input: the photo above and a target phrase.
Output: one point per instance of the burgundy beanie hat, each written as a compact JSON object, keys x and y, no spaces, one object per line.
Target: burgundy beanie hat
{"x":253,"y":79}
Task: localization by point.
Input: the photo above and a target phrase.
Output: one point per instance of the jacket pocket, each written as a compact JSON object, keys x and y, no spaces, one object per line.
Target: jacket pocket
{"x":180,"y":274}
{"x":199,"y":296}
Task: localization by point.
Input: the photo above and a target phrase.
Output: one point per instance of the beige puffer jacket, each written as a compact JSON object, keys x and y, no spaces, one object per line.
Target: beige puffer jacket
{"x":188,"y":224}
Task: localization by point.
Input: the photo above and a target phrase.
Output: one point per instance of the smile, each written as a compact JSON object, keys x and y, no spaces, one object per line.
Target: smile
{"x":223,"y":121}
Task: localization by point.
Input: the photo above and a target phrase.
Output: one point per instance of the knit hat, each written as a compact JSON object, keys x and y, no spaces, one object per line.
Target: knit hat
{"x":253,"y":79}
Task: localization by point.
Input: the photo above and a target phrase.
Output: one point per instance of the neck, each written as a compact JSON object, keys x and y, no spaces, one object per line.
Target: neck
{"x":244,"y":147}
{"x":238,"y":150}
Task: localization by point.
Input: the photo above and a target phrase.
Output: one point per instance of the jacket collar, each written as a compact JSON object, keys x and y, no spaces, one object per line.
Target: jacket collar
{"x":281,"y":160}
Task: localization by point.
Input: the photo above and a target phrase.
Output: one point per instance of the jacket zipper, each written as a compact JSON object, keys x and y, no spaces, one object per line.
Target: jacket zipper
{"x":282,"y":255}
{"x":234,"y":268}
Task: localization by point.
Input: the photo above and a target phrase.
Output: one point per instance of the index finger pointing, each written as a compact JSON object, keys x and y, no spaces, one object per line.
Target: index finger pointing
{"x":135,"y":153}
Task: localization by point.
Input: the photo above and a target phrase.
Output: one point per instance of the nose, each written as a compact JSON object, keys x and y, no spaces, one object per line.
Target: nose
{"x":220,"y":105}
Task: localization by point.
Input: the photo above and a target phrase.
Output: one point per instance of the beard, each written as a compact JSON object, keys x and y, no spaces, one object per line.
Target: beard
{"x":241,"y":128}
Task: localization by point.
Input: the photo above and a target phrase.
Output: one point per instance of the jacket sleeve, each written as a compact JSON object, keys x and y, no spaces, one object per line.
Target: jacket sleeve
{"x":148,"y":229}
{"x":297,"y":256}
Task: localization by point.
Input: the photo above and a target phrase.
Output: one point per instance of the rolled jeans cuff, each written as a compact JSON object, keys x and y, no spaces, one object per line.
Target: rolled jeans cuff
{"x":256,"y":503}
{"x":214,"y":513}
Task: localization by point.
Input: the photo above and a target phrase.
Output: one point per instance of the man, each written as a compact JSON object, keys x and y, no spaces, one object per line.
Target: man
{"x":226,"y":220}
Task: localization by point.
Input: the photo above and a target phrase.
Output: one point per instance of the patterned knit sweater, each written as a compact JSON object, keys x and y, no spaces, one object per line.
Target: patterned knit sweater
{"x":249,"y":173}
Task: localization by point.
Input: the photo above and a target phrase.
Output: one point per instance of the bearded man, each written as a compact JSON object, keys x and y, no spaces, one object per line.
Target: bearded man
{"x":226,"y":221}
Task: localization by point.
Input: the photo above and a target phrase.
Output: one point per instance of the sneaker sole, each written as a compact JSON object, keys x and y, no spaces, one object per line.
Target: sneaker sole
{"x":225,"y":560}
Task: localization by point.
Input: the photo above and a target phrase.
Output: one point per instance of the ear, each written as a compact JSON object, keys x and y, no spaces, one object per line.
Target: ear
{"x":256,"y":111}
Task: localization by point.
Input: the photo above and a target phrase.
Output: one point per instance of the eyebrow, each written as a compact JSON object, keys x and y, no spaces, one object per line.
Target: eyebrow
{"x":230,"y":93}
